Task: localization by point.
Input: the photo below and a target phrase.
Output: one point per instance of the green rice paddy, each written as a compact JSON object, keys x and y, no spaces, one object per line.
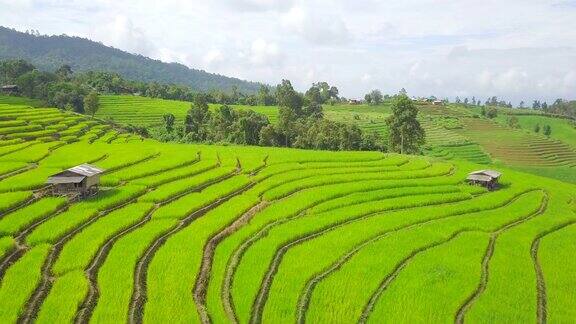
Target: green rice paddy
{"x":218,"y":234}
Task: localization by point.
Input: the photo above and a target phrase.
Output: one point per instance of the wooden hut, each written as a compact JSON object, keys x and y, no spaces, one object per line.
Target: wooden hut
{"x":485,"y":178}
{"x":81,"y":180}
{"x":10,"y":89}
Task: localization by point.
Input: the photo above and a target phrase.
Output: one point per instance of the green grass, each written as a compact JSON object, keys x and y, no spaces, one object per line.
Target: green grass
{"x":11,"y":100}
{"x":19,"y":219}
{"x":562,"y":129}
{"x":64,"y":299}
{"x":12,"y":199}
{"x":433,"y":285}
{"x":337,"y":236}
{"x":78,"y":252}
{"x":254,"y":262}
{"x":181,"y":186}
{"x":184,"y":206}
{"x":154,"y":166}
{"x":116,"y":277}
{"x":513,"y":283}
{"x":6,"y":244}
{"x":558,"y":266}
{"x":19,"y":283}
{"x":169,"y":279}
{"x":55,"y":227}
{"x":360,"y":277}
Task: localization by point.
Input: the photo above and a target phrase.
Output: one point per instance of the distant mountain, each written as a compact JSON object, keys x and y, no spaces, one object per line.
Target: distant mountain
{"x":50,"y":52}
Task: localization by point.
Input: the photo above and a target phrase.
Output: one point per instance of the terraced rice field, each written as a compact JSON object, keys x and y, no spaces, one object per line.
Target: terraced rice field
{"x":518,"y":147}
{"x":468,"y":152}
{"x":562,"y":129}
{"x":194,"y":233}
{"x":144,"y":111}
{"x":452,"y":132}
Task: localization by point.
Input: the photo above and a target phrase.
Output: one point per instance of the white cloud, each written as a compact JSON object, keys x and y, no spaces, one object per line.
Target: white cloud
{"x":122,"y":33}
{"x":320,"y":29}
{"x":263,"y":53}
{"x":213,"y":57}
{"x":516,"y":49}
{"x":366,"y":78}
{"x":260,"y":5}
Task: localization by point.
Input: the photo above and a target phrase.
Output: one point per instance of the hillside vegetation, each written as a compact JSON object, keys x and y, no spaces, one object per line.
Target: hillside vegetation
{"x":51,"y":52}
{"x":452,"y":131}
{"x":198,"y":233}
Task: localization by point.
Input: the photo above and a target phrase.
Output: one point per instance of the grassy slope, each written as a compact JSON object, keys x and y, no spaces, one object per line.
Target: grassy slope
{"x":313,"y":215}
{"x":452,"y":131}
{"x":562,"y":129}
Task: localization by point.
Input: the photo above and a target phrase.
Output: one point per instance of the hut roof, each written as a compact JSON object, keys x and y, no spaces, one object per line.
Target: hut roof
{"x":491,"y":173}
{"x":64,"y":179}
{"x":86,"y":170}
{"x":479,"y":177}
{"x":75,"y":174}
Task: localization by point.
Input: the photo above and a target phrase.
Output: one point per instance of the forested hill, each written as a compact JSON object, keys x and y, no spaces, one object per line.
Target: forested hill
{"x":50,"y":52}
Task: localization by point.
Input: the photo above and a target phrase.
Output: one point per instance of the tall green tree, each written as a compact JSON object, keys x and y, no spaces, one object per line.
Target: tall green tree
{"x":289,"y":111}
{"x":269,"y":136}
{"x":197,"y":120}
{"x":10,"y":70}
{"x":265,"y":98}
{"x":91,"y":103}
{"x":64,"y":72}
{"x":169,"y":120}
{"x":406,"y":135}
{"x":375,"y":97}
{"x":288,"y":97}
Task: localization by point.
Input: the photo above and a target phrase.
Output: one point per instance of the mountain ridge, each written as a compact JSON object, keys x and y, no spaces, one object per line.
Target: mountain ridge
{"x":82,"y":54}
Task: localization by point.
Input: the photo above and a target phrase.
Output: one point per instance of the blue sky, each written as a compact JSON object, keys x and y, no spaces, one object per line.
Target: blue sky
{"x":518,"y":50}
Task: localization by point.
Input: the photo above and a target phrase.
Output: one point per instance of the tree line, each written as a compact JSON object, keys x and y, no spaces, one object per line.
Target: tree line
{"x":65,"y":89}
{"x":301,"y":124}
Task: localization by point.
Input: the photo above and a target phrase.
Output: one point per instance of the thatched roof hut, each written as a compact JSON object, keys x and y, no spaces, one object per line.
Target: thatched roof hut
{"x":82,"y":179}
{"x":486,"y":178}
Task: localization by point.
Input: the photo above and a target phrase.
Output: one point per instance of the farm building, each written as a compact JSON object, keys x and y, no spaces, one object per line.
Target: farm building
{"x":82,"y":180}
{"x":438,"y":103}
{"x":485,"y":178}
{"x":10,"y":89}
{"x":355,"y":101}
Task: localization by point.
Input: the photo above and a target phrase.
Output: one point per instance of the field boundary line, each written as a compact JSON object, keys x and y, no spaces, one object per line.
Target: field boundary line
{"x":43,"y":289}
{"x":138,"y":300}
{"x":234,"y":259}
{"x":259,"y":302}
{"x":20,"y":246}
{"x":485,"y":274}
{"x":7,"y":175}
{"x":201,"y":285}
{"x":87,"y":306}
{"x":390,"y":278}
{"x":541,"y":309}
{"x":400,"y":266}
{"x":304,"y":299}
{"x":22,"y":204}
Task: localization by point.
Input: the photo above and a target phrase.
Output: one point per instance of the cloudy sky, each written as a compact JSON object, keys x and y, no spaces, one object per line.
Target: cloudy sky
{"x":516,"y":49}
